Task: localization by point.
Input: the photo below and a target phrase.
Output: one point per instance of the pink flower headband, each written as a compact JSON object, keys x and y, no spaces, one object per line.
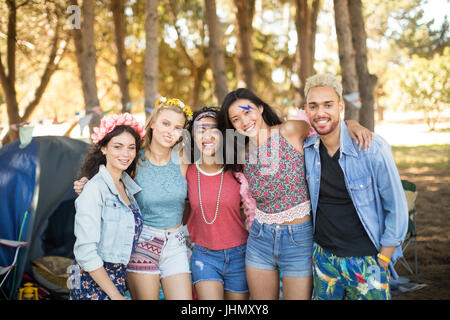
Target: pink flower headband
{"x":110,"y":122}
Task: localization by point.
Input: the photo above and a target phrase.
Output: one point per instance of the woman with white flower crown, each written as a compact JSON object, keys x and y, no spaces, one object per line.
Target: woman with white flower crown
{"x":161,"y":254}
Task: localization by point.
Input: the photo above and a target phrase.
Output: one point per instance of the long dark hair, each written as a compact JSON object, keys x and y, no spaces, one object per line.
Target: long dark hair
{"x":224,"y":122}
{"x":95,"y":157}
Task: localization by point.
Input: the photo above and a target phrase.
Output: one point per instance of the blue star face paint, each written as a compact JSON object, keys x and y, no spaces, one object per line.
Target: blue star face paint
{"x":247,"y":108}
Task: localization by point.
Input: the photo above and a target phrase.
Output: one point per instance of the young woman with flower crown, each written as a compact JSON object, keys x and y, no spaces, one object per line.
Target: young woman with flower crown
{"x":215,"y":223}
{"x":108,"y":221}
{"x":161,"y":253}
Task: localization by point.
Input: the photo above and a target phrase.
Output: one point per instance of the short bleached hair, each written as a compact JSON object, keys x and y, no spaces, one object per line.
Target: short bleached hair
{"x":324,"y":80}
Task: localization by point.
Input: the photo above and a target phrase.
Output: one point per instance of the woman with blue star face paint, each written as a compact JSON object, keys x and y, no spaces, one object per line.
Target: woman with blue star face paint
{"x":281,"y":236}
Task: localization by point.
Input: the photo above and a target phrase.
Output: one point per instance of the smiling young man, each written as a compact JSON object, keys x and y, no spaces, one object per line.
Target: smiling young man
{"x":359,"y":208}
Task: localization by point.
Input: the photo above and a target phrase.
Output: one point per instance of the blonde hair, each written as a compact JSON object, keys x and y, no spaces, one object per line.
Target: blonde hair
{"x":162,"y":106}
{"x":324,"y":80}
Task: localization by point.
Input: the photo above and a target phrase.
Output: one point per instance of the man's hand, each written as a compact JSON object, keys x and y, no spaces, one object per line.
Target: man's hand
{"x":360,"y":134}
{"x":78,"y":185}
{"x":386,"y":252}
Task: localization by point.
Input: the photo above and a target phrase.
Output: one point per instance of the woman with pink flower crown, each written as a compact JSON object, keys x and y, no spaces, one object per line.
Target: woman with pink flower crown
{"x":161,"y":256}
{"x":108,"y":221}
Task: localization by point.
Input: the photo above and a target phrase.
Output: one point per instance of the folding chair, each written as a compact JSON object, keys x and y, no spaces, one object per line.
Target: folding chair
{"x":4,"y":271}
{"x":411,"y":235}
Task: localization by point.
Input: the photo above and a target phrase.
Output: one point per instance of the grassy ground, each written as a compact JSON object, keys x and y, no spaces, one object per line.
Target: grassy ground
{"x":429,"y":168}
{"x":436,"y":156}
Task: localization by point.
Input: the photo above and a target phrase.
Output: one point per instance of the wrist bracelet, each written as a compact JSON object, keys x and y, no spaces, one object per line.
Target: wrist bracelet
{"x":385,"y":259}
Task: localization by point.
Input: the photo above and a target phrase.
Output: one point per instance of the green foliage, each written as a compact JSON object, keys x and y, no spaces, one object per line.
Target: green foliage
{"x":405,"y":25}
{"x":422,"y":84}
{"x":419,"y":36}
{"x":408,"y":82}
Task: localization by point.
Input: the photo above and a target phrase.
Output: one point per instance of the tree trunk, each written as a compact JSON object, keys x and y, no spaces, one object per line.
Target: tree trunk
{"x":8,"y":79}
{"x":216,"y":51}
{"x":86,"y":59}
{"x":117,"y":8}
{"x":90,"y":60}
{"x":12,"y":108}
{"x":317,"y":4}
{"x":151,"y":55}
{"x":346,"y":56}
{"x":245,"y":68}
{"x":197,"y":64}
{"x":366,"y":81}
{"x":79,"y":49}
{"x":306,"y":26}
{"x":194,"y":98}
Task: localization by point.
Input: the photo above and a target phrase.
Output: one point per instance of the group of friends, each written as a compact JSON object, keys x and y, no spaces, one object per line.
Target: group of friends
{"x":318,"y":201}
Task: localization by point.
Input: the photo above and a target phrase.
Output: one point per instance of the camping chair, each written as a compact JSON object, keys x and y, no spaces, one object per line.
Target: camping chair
{"x":4,"y":271}
{"x":411,"y":235}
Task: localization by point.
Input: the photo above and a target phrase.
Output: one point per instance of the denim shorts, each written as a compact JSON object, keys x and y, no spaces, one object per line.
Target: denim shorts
{"x":226,"y":266}
{"x":284,"y":247}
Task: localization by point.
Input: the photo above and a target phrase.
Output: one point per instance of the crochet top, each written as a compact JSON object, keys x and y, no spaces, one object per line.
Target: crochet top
{"x":164,"y":192}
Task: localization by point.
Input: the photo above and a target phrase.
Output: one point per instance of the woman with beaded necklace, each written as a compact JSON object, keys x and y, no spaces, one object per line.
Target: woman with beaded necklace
{"x":215,"y":223}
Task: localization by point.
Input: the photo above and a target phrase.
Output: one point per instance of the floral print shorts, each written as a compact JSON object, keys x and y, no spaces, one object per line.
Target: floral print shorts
{"x":348,"y":278}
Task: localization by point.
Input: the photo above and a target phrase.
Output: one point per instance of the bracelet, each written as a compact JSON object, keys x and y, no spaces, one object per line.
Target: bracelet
{"x":385,"y":259}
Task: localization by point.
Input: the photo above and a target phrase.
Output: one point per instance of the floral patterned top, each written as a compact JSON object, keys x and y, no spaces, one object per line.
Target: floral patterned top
{"x":275,"y":172}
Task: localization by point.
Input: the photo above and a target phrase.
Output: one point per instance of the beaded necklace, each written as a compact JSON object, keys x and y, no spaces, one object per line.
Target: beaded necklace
{"x":200,"y":196}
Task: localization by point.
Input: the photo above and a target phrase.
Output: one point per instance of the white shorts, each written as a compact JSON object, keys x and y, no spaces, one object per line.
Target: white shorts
{"x":162,"y":252}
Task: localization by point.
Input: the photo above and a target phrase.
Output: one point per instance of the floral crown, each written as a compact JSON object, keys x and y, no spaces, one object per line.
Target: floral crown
{"x":110,"y":122}
{"x":175,"y":102}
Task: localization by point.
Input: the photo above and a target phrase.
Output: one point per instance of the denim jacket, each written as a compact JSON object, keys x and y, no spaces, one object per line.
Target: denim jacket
{"x":104,"y":224}
{"x":374,"y":185}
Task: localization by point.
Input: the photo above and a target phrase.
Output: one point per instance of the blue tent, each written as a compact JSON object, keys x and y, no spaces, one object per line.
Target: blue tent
{"x":37,"y":201}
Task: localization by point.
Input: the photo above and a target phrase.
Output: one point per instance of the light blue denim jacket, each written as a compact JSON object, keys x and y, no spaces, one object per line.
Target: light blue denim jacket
{"x":104,"y":224}
{"x":374,"y":186}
